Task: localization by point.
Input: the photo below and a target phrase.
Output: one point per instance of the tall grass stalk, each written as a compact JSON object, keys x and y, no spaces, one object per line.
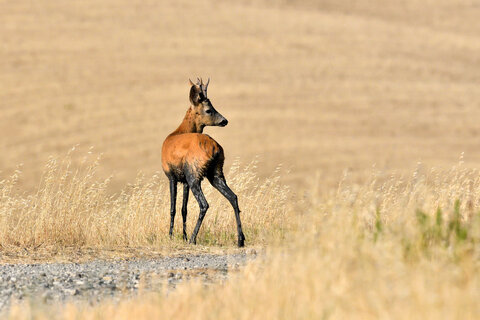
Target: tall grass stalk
{"x":391,"y":248}
{"x":73,"y":208}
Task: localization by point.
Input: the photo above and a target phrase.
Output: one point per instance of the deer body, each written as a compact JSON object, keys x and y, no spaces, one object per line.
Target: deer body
{"x":191,"y":154}
{"x":188,"y":156}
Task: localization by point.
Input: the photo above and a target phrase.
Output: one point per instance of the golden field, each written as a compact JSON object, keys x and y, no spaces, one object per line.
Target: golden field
{"x":347,"y":96}
{"x":315,"y":86}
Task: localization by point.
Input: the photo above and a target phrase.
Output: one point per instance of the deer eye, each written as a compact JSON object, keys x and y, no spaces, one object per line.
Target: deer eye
{"x":208,"y":111}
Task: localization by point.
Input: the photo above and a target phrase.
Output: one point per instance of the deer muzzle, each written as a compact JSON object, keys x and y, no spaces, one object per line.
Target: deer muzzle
{"x":223,"y":123}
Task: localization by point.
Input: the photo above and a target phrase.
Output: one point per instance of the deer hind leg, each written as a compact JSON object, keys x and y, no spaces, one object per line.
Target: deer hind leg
{"x":186,"y":190}
{"x":218,"y":182}
{"x":195,"y":185}
{"x":173,"y":200}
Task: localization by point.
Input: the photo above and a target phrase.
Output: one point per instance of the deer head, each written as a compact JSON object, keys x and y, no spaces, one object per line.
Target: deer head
{"x":204,"y":112}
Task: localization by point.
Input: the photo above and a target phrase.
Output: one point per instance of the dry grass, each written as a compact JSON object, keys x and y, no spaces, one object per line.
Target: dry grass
{"x":365,"y":252}
{"x":72,"y":208}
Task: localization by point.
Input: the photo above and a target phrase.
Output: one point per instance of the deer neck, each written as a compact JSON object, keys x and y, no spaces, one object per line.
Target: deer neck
{"x":188,"y":124}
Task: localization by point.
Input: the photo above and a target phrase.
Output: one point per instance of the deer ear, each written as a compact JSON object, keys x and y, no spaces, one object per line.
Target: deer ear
{"x":194,"y":95}
{"x":191,"y":83}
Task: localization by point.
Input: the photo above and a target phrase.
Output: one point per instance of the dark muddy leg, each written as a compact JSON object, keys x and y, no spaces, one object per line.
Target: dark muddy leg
{"x":202,"y":202}
{"x":186,"y":189}
{"x":173,"y":199}
{"x":218,"y":181}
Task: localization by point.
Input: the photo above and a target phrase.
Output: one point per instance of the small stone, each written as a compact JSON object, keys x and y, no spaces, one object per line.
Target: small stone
{"x":72,"y":292}
{"x":47,"y":295}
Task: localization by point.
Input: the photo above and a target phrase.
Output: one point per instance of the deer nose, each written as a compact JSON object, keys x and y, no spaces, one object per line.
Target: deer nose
{"x":223,"y":123}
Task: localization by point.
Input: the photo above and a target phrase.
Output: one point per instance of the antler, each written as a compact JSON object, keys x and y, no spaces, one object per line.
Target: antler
{"x":206,"y":85}
{"x":202,"y":86}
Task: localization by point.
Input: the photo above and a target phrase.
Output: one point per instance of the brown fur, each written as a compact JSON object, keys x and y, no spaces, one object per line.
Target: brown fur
{"x":195,"y":151}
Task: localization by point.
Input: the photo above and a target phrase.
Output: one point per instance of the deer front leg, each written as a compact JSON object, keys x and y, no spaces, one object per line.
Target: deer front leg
{"x":186,"y":190}
{"x":173,"y":199}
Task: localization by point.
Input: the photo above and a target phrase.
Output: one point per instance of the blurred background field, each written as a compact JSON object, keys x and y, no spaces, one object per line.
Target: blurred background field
{"x":317,"y":86}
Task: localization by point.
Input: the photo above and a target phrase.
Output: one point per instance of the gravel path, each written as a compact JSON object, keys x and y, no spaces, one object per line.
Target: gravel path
{"x":95,"y":280}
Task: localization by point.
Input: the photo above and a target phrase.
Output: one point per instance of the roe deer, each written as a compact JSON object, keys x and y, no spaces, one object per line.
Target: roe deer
{"x":188,"y":156}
